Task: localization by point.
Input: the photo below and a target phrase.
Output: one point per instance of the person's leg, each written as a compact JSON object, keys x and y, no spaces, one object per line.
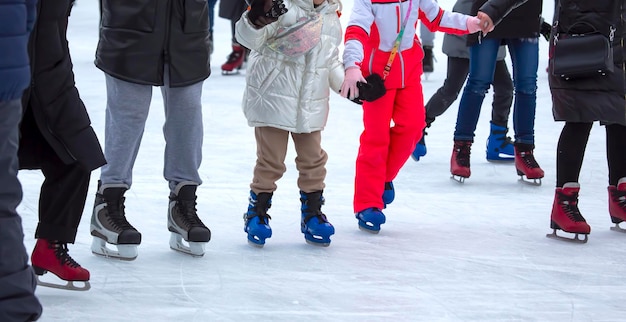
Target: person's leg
{"x":502,"y":94}
{"x":371,"y":162}
{"x":310,"y":161}
{"x":565,"y":214}
{"x":211,"y":4}
{"x":311,"y":164}
{"x":62,"y":199}
{"x":127,"y":110}
{"x":270,"y":164}
{"x":499,"y":145}
{"x":183,"y":132}
{"x":570,"y":151}
{"x":17,"y":281}
{"x":427,"y":38}
{"x":408,"y":125}
{"x":458,"y":69}
{"x":525,"y":57}
{"x":616,"y":158}
{"x":481,"y":72}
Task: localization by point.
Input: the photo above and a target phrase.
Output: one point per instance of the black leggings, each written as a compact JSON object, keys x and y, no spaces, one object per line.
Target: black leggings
{"x":571,"y":151}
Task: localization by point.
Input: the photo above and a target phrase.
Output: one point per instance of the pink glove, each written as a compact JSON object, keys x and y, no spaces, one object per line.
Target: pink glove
{"x":349,"y":88}
{"x":473,"y":25}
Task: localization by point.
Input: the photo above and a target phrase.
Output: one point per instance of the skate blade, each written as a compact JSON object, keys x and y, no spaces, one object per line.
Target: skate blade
{"x":195,"y":249}
{"x":256,"y":241}
{"x":123,"y":252}
{"x":534,"y":182}
{"x":574,"y":239}
{"x":317,"y":240}
{"x":618,"y":228}
{"x":70,"y":285}
{"x":230,"y":72}
{"x":458,"y":179}
{"x":368,"y":228}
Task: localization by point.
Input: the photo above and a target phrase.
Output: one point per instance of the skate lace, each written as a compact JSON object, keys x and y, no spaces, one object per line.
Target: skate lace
{"x":257,"y":211}
{"x":234,"y":56}
{"x":116,"y":216}
{"x":506,"y":140}
{"x":619,"y":196}
{"x":529,"y":159}
{"x":314,"y":209}
{"x":463,"y":151}
{"x":61,"y":252}
{"x":569,"y":203}
{"x":188,"y":212}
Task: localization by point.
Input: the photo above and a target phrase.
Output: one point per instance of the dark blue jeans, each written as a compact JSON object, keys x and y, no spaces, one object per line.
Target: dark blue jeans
{"x":211,"y":14}
{"x":525,"y":57}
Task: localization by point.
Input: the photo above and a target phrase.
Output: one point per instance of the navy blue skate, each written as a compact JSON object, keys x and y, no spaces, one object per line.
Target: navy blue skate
{"x":257,"y":220}
{"x":389,"y":194}
{"x":314,"y":225}
{"x":370,"y":220}
{"x":499,"y":146}
{"x":420,"y":149}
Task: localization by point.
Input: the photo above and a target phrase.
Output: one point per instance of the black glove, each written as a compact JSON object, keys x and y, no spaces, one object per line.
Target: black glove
{"x":373,"y":89}
{"x":264,"y":12}
{"x":545,"y":30}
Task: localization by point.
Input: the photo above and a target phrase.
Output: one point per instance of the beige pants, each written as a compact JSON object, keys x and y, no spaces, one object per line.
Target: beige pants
{"x":272,"y":150}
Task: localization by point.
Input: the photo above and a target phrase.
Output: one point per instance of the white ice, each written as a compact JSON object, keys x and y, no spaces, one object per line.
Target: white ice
{"x":449,"y":252}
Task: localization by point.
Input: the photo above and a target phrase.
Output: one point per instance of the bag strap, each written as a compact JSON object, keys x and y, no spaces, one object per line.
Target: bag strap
{"x":555,"y":24}
{"x":396,"y":44}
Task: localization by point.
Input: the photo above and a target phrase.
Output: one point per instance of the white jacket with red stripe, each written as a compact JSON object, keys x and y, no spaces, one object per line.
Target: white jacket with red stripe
{"x":374,"y":26}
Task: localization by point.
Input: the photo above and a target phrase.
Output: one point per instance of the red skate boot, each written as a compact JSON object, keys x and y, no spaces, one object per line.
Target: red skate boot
{"x":235,"y":60}
{"x":565,"y":214}
{"x":52,"y":256}
{"x":617,"y":204}
{"x":526,"y":165}
{"x":460,"y":160}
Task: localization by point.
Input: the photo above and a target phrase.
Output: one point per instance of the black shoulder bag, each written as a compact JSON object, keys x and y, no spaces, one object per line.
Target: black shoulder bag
{"x":581,"y":55}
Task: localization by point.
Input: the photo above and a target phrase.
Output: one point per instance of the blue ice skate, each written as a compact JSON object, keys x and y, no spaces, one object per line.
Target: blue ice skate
{"x":389,"y":194}
{"x":370,"y":220}
{"x":499,"y":146}
{"x":257,"y":220}
{"x":420,"y":149}
{"x":314,"y":225}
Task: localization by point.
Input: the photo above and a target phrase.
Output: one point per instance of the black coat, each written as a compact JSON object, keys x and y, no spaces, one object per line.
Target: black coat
{"x":58,"y":111}
{"x":513,"y":18}
{"x":232,"y":9}
{"x":139,"y":37}
{"x":598,"y":98}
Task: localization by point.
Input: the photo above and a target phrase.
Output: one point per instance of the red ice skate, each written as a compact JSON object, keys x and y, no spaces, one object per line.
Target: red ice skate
{"x":617,"y":204}
{"x":235,"y":60}
{"x":565,"y":214}
{"x":460,"y":160}
{"x":526,"y":165}
{"x":52,"y":256}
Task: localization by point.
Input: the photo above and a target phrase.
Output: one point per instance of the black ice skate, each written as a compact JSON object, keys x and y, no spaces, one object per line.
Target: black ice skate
{"x":109,"y":224}
{"x":184,"y":223}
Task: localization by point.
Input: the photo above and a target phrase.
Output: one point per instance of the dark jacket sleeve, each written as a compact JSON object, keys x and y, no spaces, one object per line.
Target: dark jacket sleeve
{"x":498,"y":9}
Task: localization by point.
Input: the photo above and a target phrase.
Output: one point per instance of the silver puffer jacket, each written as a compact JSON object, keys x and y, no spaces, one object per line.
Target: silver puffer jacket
{"x":291,"y":70}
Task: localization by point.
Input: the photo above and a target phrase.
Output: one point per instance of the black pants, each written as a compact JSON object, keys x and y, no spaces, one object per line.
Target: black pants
{"x":458,"y":69}
{"x":571,"y":151}
{"x":64,"y":190}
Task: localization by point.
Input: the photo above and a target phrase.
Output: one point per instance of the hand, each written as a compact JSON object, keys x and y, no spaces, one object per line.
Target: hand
{"x":473,"y":25}
{"x":265,"y":12}
{"x":545,"y":30}
{"x":349,"y":88}
{"x":486,"y":24}
{"x":372,"y":89}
